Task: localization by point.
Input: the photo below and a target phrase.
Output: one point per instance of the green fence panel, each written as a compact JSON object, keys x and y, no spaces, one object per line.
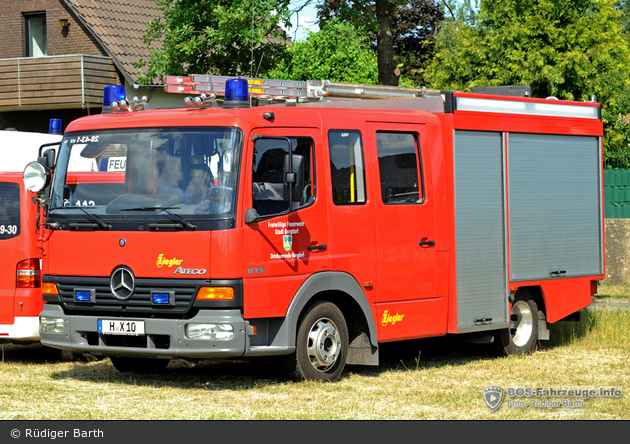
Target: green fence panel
{"x":617,"y":185}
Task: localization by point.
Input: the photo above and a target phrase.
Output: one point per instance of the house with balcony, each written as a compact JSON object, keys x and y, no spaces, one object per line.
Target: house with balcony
{"x":56,"y":57}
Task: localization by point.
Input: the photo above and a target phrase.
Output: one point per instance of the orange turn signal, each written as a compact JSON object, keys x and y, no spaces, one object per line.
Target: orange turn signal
{"x":215,"y":294}
{"x":49,"y":288}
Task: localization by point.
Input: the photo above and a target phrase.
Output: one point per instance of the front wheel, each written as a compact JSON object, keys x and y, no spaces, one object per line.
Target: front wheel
{"x":322,"y":344}
{"x":139,"y":365}
{"x":522,"y":335}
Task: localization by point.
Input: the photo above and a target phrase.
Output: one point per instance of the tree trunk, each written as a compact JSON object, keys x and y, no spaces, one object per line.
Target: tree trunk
{"x":385,"y":43}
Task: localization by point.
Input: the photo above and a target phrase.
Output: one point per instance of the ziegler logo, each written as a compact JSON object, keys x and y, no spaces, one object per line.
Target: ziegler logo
{"x":182,"y":270}
{"x":168,"y":262}
{"x":391,"y":319}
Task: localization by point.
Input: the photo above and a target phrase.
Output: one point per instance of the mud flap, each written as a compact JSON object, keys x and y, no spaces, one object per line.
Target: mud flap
{"x":543,"y":330}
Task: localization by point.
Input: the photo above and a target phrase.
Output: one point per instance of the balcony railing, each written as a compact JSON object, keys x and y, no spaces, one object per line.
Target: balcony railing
{"x":55,"y":82}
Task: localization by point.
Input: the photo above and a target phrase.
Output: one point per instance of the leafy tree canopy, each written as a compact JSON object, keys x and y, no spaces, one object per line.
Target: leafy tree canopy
{"x":338,"y":53}
{"x":227,"y":37}
{"x":569,"y":49}
{"x":413,"y":23}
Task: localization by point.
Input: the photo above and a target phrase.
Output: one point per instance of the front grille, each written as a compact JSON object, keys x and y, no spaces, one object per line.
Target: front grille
{"x":139,"y":304}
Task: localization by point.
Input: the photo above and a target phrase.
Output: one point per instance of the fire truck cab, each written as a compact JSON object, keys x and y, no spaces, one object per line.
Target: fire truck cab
{"x":320,"y":230}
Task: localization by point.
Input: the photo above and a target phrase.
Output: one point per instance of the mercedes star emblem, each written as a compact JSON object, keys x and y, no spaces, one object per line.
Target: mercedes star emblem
{"x":122,"y":283}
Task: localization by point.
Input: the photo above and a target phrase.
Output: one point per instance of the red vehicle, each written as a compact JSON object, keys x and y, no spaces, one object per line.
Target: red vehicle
{"x":20,"y":278}
{"x":20,"y":274}
{"x":20,"y":223}
{"x":321,"y":230}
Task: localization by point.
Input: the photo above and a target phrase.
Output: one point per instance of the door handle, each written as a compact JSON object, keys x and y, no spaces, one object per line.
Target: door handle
{"x":316,"y":247}
{"x":429,"y":243}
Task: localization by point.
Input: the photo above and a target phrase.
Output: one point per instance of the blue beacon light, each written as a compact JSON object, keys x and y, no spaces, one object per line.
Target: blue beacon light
{"x":54,"y":126}
{"x":113,"y":93}
{"x":82,"y":296}
{"x":160,"y":298}
{"x":236,"y":94}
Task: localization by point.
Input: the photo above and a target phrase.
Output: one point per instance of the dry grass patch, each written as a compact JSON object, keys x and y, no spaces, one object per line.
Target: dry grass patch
{"x":615,"y":291}
{"x":440,"y":378}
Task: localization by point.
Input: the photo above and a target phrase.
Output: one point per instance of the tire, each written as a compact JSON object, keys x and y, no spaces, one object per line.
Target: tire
{"x":522,"y":335}
{"x":139,"y":365}
{"x":322,"y":344}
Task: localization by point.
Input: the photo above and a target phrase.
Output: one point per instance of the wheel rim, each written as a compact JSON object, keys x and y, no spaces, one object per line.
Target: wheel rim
{"x":324,"y":344}
{"x":521,"y":323}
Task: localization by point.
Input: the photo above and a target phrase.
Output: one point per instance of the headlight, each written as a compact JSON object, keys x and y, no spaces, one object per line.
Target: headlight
{"x":217,"y":332}
{"x":51,"y":325}
{"x":36,"y":176}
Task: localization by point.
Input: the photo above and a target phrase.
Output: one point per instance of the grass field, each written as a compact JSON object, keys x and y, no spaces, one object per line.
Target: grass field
{"x":439,"y":378}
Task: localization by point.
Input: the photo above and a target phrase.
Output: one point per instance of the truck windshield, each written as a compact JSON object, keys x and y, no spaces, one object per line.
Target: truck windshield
{"x":192,"y":172}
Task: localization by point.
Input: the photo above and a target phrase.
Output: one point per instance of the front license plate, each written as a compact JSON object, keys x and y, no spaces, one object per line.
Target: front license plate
{"x":118,"y":327}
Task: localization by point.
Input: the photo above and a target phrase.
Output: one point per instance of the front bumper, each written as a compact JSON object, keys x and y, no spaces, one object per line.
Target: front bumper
{"x":164,"y":338}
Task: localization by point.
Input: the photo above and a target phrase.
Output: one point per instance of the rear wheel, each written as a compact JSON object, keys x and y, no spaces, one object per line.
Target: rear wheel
{"x":139,"y":365}
{"x":322,"y":344}
{"x":522,"y":335}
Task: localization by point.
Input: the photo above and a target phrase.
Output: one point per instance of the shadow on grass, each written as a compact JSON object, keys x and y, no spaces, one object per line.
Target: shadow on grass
{"x":244,"y":374}
{"x":34,"y":353}
{"x":565,"y":333}
{"x":450,"y":350}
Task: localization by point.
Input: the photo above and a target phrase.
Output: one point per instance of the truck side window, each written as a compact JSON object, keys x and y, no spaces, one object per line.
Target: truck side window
{"x":9,"y":210}
{"x":347,"y":168}
{"x":267,"y":179}
{"x":398,"y":166}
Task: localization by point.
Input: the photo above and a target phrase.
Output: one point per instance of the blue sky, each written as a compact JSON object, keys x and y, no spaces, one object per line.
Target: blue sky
{"x":306,"y":19}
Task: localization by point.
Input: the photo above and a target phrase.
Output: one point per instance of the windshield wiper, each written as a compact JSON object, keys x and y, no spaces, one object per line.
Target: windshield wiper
{"x":177,"y":217}
{"x":94,"y":217}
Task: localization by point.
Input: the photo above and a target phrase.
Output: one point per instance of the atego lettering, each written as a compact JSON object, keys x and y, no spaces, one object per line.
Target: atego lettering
{"x":182,"y":270}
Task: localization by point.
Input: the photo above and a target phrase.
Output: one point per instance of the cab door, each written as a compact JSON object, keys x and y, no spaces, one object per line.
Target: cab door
{"x":405,"y":230}
{"x":284,"y":245}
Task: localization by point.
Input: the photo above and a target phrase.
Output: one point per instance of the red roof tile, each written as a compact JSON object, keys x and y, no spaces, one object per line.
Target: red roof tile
{"x":120,"y":26}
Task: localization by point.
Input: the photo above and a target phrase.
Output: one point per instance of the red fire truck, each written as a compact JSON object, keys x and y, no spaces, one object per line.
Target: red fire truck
{"x":20,"y":276}
{"x":318,"y":227}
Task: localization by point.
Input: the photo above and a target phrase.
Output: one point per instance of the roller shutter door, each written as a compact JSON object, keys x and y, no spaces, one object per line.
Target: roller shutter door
{"x":480,"y":230}
{"x":554,"y":206}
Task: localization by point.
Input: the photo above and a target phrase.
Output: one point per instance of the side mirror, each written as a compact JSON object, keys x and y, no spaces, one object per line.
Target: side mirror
{"x":293,"y":174}
{"x":250,"y":216}
{"x":36,"y":176}
{"x":48,"y":159}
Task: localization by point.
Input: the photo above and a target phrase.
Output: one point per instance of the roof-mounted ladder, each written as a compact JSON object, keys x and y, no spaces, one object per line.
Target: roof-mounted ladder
{"x":282,"y":90}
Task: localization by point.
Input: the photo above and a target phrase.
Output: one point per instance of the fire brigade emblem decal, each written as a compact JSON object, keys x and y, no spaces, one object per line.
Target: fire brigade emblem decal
{"x":287,"y":242}
{"x":492,"y":396}
{"x":122,"y":283}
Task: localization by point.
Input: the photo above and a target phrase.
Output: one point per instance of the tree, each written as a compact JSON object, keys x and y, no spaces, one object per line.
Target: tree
{"x":401,"y":32}
{"x":227,"y":37}
{"x":624,"y":7}
{"x":337,"y":53}
{"x":569,"y":49}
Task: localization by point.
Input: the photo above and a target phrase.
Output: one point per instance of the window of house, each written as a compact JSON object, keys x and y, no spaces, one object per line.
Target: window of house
{"x":398,"y":164}
{"x":36,"y":41}
{"x":346,"y":167}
